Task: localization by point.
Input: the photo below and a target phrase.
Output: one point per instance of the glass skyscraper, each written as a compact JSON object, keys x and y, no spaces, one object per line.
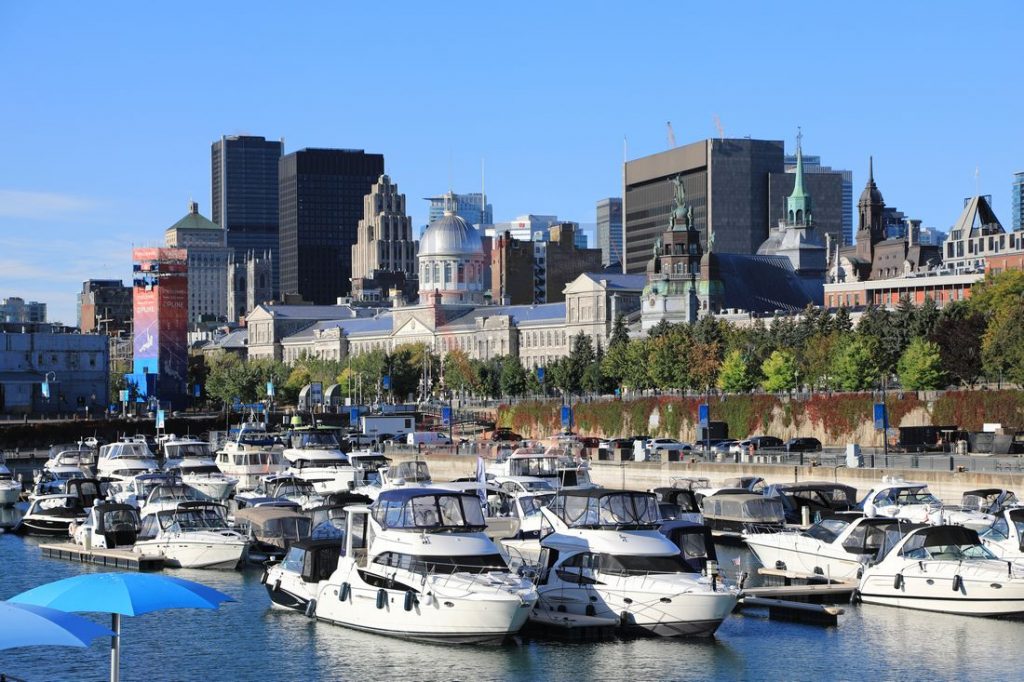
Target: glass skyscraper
{"x":609,"y":230}
{"x":1017,"y":201}
{"x":321,"y":202}
{"x":245,"y":195}
{"x":473,"y":208}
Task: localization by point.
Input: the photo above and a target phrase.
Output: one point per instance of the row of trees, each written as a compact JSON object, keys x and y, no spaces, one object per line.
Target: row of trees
{"x":918,"y":347}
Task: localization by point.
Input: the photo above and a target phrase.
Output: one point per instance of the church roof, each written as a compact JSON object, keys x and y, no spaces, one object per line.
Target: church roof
{"x":871,"y":195}
{"x":764,"y":284}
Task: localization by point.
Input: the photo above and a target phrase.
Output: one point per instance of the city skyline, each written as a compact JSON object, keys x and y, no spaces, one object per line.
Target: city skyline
{"x":79,"y":188}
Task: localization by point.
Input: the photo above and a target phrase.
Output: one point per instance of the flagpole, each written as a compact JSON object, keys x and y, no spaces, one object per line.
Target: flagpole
{"x":115,"y":648}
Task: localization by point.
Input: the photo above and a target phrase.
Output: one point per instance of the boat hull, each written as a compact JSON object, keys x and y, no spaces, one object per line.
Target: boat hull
{"x":991,"y":593}
{"x":199,"y":554}
{"x":776,"y":549}
{"x":45,"y":527}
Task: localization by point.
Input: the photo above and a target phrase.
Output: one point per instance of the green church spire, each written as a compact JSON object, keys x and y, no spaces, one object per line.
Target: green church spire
{"x":798,"y":204}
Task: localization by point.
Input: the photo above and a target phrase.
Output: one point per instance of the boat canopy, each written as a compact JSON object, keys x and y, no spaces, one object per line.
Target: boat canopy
{"x":743,"y":507}
{"x":126,"y":450}
{"x":194,"y":516}
{"x":414,"y":471}
{"x":602,"y":508}
{"x":428,"y":510}
{"x":112,"y":516}
{"x":275,"y":522}
{"x":988,"y":500}
{"x":315,"y":439}
{"x":953,"y":543}
{"x":540,"y":465}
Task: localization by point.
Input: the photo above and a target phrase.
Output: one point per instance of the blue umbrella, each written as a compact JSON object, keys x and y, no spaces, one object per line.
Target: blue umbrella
{"x":27,"y":625}
{"x":122,"y":594}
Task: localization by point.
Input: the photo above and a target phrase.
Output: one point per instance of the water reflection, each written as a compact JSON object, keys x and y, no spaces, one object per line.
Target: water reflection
{"x":248,"y":640}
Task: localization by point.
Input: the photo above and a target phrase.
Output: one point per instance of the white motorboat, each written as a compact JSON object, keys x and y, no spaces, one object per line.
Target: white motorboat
{"x":10,"y":487}
{"x":271,"y":530}
{"x":168,"y":497}
{"x":553,"y":465}
{"x":52,"y":481}
{"x":988,"y":500}
{"x":944,"y":568}
{"x":125,"y":459}
{"x":315,"y":455}
{"x":193,"y":461}
{"x":838,"y":548}
{"x":293,"y":582}
{"x":83,"y":458}
{"x":250,"y":456}
{"x":108,"y":525}
{"x":136,"y":489}
{"x":418,"y":565}
{"x":51,"y":515}
{"x":1005,"y":537}
{"x":523,"y":547}
{"x":192,"y":535}
{"x":604,"y":557}
{"x":897,"y":498}
{"x":282,"y":488}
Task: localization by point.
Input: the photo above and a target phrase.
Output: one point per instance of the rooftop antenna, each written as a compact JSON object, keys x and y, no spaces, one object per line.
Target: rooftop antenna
{"x":671,"y":135}
{"x":483,"y":192}
{"x":719,"y":127}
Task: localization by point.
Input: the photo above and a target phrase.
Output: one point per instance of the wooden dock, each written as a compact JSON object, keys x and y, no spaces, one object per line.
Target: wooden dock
{"x":801,"y":598}
{"x":114,"y":558}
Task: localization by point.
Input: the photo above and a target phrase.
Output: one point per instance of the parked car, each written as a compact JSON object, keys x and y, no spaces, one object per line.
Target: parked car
{"x":724,"y":446}
{"x":506,"y":435}
{"x":758,"y":443}
{"x":803,"y":445}
{"x":668,"y":445}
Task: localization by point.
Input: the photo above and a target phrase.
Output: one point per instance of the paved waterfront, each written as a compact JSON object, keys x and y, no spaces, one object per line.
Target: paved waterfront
{"x":248,"y":640}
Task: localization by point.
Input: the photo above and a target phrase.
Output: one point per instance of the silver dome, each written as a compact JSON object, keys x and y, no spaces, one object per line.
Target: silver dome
{"x":450,"y":235}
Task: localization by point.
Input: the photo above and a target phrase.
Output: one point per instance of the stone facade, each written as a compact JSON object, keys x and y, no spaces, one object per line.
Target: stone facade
{"x":384,"y":253}
{"x":208,"y":254}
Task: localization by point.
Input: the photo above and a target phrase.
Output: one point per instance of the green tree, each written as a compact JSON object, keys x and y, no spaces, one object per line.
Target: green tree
{"x":734,"y":376}
{"x":513,"y":377}
{"x":613,"y":364}
{"x":841,"y":322}
{"x":920,"y":367}
{"x":779,"y":371}
{"x":1002,"y":348}
{"x":705,"y":359}
{"x":459,"y":374}
{"x":957,"y":333}
{"x":636,"y":375}
{"x":854,"y":368}
{"x":998,"y":291}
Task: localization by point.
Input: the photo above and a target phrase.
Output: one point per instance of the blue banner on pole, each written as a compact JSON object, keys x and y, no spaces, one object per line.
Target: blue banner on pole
{"x":567,"y":416}
{"x":703,"y":415}
{"x":197,"y":390}
{"x":124,"y":395}
{"x":446,"y":416}
{"x":540,"y":374}
{"x":160,"y":419}
{"x":46,"y":390}
{"x":270,"y":389}
{"x":353,"y":415}
{"x":386,"y":382}
{"x":881,"y":417}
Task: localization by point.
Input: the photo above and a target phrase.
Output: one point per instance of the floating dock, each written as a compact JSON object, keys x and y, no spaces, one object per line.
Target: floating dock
{"x":114,"y":558}
{"x":800,"y":598}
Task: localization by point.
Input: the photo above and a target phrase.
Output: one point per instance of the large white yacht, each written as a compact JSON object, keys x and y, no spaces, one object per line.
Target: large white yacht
{"x":283,"y":489}
{"x":250,"y":456}
{"x":417,"y":564}
{"x":838,"y":548}
{"x":315,"y":455}
{"x":125,"y":459}
{"x":192,"y":460}
{"x":897,"y":498}
{"x":192,"y":535}
{"x":534,"y":461}
{"x":944,"y":568}
{"x":10,"y":487}
{"x":603,"y":557}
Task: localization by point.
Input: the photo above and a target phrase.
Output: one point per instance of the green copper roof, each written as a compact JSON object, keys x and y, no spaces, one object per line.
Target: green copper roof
{"x":798,"y":185}
{"x":194,"y":221}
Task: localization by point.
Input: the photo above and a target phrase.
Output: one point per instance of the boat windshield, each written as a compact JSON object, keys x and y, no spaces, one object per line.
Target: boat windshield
{"x":289,"y":528}
{"x":132,"y":450}
{"x":189,"y":450}
{"x":532,"y":504}
{"x":417,"y":472}
{"x":206,"y":469}
{"x":115,"y":519}
{"x":625,"y":565}
{"x":481,"y":563}
{"x":195,"y":518}
{"x":164,"y":493}
{"x":293,"y":487}
{"x":621,"y":510}
{"x":905,"y":496}
{"x":317,"y":440}
{"x":536,"y":486}
{"x":938,"y":545}
{"x":987,"y":502}
{"x":427,"y":512}
{"x":827,"y":530}
{"x":570,"y":478}
{"x":257,"y":458}
{"x":533,"y":466}
{"x":293,"y":560}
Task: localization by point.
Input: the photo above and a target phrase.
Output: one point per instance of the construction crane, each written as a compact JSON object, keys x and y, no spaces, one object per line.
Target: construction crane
{"x":671,"y":135}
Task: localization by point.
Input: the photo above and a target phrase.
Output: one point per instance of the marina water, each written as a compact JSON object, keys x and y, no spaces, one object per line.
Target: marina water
{"x":247,"y":640}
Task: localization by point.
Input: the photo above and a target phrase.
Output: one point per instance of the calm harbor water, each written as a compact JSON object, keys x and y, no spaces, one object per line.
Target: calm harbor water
{"x":248,"y":640}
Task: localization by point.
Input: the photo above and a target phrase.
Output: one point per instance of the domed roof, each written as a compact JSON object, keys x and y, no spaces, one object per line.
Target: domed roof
{"x":450,"y":235}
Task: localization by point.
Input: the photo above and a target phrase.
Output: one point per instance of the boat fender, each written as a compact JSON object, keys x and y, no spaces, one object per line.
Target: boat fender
{"x":855,"y":598}
{"x":263,"y":578}
{"x":958,"y":583}
{"x":860,"y":572}
{"x":344,"y":592}
{"x":277,"y":585}
{"x":897,"y":582}
{"x":311,"y":608}
{"x":591,"y":611}
{"x":410,"y":600}
{"x":1009,"y":569}
{"x":382,"y":598}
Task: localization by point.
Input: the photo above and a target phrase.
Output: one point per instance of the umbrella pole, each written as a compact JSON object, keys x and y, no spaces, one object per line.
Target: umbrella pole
{"x":115,"y":648}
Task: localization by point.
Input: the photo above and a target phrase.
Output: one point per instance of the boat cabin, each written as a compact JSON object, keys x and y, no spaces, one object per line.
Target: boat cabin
{"x":413,"y":471}
{"x":988,"y":500}
{"x":674,"y":502}
{"x":604,"y":509}
{"x":695,"y":542}
{"x":822,"y":499}
{"x":313,"y":560}
{"x":275,"y":526}
{"x":735,"y":513}
{"x":117,"y":524}
{"x":187,"y":516}
{"x":941,"y":543}
{"x":428,"y":510}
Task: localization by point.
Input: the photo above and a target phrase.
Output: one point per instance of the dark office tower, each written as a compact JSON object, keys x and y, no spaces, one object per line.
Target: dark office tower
{"x":726,"y":184}
{"x":321,"y":202}
{"x":245,"y":195}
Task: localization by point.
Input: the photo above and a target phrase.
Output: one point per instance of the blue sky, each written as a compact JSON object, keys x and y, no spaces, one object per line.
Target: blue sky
{"x":109,"y":109}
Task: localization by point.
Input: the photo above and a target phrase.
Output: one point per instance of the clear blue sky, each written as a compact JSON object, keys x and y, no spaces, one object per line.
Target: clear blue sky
{"x":109,"y":108}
